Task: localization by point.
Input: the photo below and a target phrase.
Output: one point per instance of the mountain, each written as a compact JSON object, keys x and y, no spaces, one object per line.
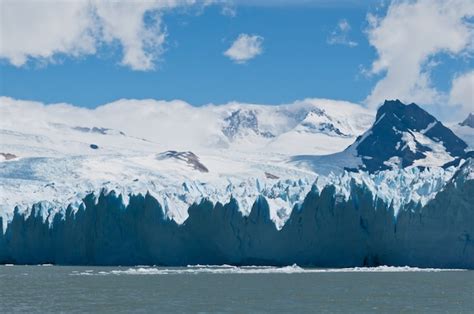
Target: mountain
{"x":401,"y":136}
{"x":303,"y":127}
{"x":318,"y":121}
{"x":148,"y":125}
{"x":405,"y":135}
{"x":240,"y":122}
{"x":469,"y":121}
{"x":320,"y":127}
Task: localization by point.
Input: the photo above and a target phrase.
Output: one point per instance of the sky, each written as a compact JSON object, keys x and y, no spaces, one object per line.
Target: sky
{"x":92,"y":52}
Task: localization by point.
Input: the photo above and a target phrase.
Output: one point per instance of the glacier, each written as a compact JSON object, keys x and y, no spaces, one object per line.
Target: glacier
{"x":238,"y":184}
{"x":327,"y":229}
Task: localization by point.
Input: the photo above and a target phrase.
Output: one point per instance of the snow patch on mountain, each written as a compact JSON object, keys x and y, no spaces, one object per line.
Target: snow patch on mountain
{"x":317,"y":121}
{"x":435,"y":156}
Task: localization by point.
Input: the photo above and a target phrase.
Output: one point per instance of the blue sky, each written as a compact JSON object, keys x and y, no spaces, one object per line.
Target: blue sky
{"x":307,"y":49}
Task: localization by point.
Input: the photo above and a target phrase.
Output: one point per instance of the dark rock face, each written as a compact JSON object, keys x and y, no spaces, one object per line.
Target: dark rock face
{"x":324,"y":231}
{"x":327,"y":128}
{"x":393,"y":135}
{"x":469,"y":121}
{"x":8,"y":156}
{"x":94,"y":146}
{"x":243,"y":120}
{"x":268,"y":175}
{"x":97,"y":130}
{"x":189,"y":157}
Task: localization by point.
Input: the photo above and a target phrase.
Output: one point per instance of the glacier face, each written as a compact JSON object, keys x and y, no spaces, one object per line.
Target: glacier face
{"x":326,"y":229}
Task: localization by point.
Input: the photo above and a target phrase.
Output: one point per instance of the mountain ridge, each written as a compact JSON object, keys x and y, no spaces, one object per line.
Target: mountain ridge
{"x":401,"y":136}
{"x":402,"y":133}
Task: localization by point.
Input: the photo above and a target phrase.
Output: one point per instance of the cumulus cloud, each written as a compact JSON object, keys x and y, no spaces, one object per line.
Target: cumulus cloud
{"x":40,"y":29}
{"x":340,"y":35}
{"x":408,"y":37}
{"x":244,"y":48}
{"x":43,"y":29}
{"x":462,"y":92}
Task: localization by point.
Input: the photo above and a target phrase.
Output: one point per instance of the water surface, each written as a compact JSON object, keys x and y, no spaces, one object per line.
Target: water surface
{"x":233,"y":289}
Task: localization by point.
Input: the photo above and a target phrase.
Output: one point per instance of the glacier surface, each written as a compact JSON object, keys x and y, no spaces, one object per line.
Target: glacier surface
{"x":327,"y":230}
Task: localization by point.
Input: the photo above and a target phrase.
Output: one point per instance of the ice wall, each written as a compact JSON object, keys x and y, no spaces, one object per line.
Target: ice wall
{"x":326,"y":230}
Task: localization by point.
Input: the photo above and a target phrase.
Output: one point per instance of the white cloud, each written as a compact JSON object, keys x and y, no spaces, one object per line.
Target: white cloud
{"x":406,"y":39}
{"x":339,"y":36}
{"x":244,"y":48}
{"x":39,"y":29}
{"x":43,"y":29}
{"x":462,"y":92}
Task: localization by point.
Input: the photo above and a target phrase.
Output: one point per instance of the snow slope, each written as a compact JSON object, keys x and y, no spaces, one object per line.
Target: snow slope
{"x":160,"y":125}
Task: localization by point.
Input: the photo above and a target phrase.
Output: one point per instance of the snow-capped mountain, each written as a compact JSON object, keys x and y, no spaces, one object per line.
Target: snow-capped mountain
{"x":133,"y":125}
{"x":405,"y":135}
{"x":242,"y":122}
{"x":317,"y":121}
{"x":402,"y":136}
{"x":302,"y":127}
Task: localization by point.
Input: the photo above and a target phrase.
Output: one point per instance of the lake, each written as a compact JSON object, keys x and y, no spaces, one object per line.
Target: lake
{"x":233,"y":289}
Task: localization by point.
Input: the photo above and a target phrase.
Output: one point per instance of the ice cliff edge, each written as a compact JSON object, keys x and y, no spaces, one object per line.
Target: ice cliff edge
{"x":326,"y":230}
